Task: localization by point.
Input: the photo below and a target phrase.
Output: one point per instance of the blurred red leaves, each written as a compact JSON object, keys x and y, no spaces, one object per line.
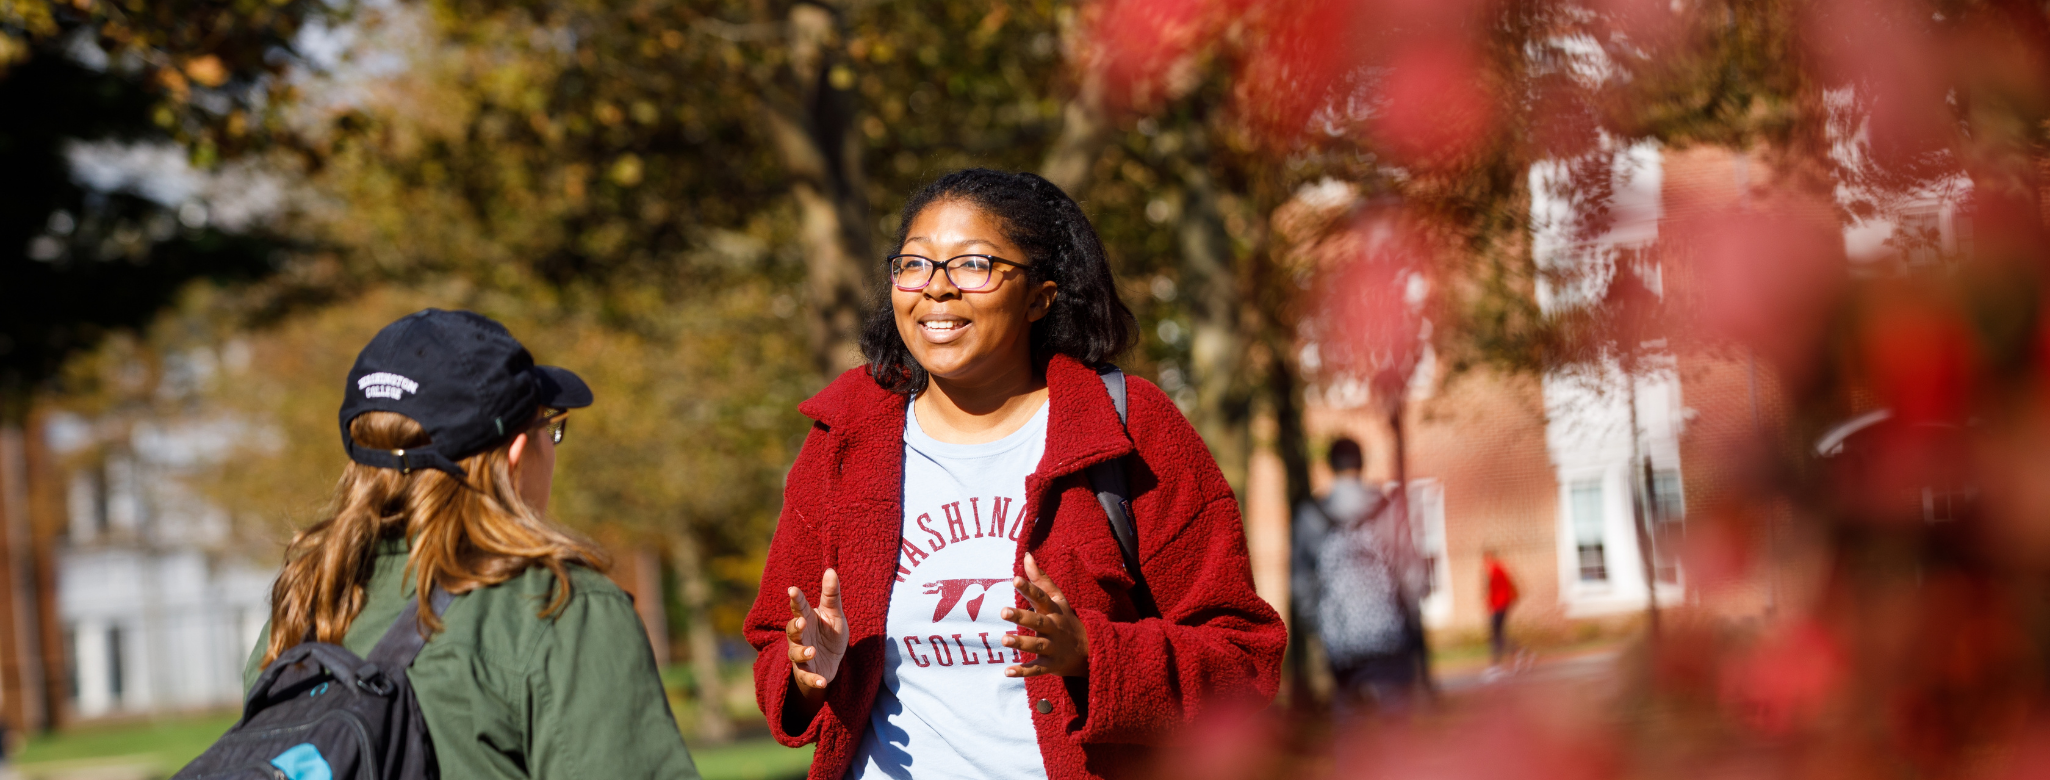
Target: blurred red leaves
{"x":1368,"y":316}
{"x":1722,"y":544}
{"x":1297,"y":63}
{"x":1919,"y":356}
{"x":1762,"y":280}
{"x":1887,"y":49}
{"x":1228,"y":742}
{"x":2011,"y":461}
{"x":1564,"y":126}
{"x":1918,"y":653}
{"x":1405,"y":76}
{"x":1784,"y":681}
{"x":2027,"y":754}
{"x":1141,"y":44}
{"x":1517,"y":737}
{"x":1955,"y":669}
{"x":1435,"y":109}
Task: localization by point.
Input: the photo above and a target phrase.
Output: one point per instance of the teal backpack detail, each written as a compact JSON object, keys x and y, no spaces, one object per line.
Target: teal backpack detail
{"x":303,"y":762}
{"x":319,"y":712}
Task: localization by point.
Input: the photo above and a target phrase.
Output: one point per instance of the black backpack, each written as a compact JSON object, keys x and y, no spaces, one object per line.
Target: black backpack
{"x":321,"y":713}
{"x":1115,"y":495}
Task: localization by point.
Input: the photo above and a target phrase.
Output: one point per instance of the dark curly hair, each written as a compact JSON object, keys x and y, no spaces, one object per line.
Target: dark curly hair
{"x":1087,"y":322}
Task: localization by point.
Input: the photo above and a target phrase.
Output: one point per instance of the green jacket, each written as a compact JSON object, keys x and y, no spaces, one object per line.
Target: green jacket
{"x":509,"y":694}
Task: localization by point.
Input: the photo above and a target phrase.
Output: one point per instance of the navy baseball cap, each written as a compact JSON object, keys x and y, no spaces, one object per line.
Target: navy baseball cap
{"x":462,"y":377}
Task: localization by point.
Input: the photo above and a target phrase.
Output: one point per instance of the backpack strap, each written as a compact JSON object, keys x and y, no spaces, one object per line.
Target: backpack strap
{"x":1114,"y":492}
{"x":403,"y":640}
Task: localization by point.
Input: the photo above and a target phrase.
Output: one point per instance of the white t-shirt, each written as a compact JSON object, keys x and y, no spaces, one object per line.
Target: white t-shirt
{"x":945,"y":708}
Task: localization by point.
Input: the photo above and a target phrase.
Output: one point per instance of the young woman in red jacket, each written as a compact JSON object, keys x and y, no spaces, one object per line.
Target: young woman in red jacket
{"x":944,"y":596}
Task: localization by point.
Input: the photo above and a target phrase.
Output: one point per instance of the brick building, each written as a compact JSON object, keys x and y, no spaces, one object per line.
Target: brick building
{"x":1543,"y":469}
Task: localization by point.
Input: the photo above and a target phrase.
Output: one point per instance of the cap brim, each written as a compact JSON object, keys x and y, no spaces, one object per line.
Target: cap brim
{"x":562,"y":389}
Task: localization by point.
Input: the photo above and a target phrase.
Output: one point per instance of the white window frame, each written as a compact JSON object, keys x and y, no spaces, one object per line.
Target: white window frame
{"x":1427,"y":528}
{"x":1570,"y":527}
{"x":1576,"y":592}
{"x":1624,"y":591}
{"x":1680,"y":525}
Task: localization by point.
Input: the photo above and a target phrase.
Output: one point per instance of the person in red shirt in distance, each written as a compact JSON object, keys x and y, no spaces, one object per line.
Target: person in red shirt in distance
{"x":1501,"y":594}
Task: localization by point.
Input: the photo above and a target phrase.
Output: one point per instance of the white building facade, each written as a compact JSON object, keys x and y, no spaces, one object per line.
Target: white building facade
{"x":1602,"y":481}
{"x":1606,"y":426}
{"x":157,"y":616}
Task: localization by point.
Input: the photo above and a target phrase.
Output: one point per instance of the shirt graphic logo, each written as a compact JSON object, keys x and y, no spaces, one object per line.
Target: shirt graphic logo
{"x":383,"y":385}
{"x":951,"y":591}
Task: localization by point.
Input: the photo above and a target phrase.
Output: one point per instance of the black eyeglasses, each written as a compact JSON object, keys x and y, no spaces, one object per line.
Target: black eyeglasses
{"x":556,"y":421}
{"x":968,"y":273}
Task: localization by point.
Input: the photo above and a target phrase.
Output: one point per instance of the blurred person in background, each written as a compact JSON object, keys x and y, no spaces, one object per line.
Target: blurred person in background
{"x":944,"y":596}
{"x":1357,"y":593}
{"x":539,"y":667}
{"x":1501,"y":595}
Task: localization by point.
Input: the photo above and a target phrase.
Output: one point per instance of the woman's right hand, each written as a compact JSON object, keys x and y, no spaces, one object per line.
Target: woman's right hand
{"x":817,"y":637}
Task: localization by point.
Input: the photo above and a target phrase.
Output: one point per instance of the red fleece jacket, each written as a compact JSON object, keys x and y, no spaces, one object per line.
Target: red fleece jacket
{"x":1217,"y":641}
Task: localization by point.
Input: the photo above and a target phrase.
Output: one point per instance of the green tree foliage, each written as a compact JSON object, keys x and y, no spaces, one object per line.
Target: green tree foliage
{"x":616,"y":185}
{"x":612,"y":166}
{"x":77,"y":262}
{"x":590,"y":141}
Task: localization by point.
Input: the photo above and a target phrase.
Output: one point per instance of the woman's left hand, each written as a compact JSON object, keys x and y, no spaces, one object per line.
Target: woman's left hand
{"x":1062,"y":643}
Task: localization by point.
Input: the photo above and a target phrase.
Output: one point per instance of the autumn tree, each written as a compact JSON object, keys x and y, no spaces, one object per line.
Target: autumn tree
{"x":627,"y":174}
{"x":80,"y":262}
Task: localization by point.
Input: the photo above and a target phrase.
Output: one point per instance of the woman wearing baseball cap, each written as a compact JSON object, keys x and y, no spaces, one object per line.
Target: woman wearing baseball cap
{"x":539,"y":666}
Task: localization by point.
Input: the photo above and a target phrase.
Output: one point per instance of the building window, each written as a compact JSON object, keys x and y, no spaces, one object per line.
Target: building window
{"x":1921,"y":237}
{"x":71,"y":660}
{"x":103,"y":503}
{"x":1427,"y":528}
{"x":1589,"y":531}
{"x":89,"y":504}
{"x":1668,"y":515}
{"x":1961,"y":238}
{"x":1944,"y":504}
{"x":114,"y":681}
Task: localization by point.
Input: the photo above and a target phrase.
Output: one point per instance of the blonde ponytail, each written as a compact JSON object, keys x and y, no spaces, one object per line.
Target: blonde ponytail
{"x":466,"y":534}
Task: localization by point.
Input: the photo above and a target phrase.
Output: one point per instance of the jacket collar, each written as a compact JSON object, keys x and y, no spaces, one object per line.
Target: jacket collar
{"x":1082,"y":427}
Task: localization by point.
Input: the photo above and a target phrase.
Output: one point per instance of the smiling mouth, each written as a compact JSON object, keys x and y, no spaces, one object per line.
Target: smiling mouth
{"x":941,"y":330}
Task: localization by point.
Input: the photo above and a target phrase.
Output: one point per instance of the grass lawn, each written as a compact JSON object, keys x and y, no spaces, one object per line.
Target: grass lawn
{"x":164,"y":745}
{"x":753,"y":759}
{"x":158,"y":748}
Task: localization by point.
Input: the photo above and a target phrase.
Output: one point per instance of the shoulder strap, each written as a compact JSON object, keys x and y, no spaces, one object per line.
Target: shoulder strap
{"x":1114,"y":493}
{"x":403,"y":640}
